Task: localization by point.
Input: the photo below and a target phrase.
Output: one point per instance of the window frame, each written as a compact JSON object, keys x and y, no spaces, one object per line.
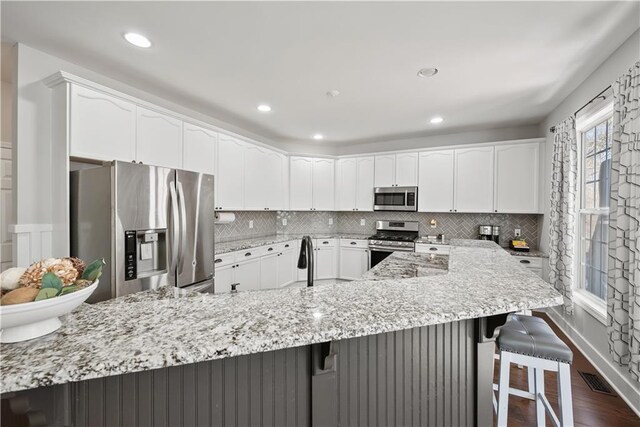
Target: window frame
{"x":596,"y":306}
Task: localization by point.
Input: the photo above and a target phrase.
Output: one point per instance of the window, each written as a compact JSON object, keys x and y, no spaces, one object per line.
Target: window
{"x":594,"y":145}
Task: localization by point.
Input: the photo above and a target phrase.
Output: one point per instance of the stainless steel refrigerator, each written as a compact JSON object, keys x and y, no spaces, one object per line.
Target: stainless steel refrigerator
{"x":154,"y":226}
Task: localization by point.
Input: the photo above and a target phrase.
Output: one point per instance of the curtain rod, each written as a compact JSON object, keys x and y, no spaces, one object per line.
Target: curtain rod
{"x":600,"y":95}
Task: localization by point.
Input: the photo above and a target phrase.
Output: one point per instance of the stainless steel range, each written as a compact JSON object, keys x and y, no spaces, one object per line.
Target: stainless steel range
{"x":392,"y":236}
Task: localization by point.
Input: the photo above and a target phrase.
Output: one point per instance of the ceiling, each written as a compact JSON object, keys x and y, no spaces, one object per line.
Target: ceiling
{"x":501,"y":63}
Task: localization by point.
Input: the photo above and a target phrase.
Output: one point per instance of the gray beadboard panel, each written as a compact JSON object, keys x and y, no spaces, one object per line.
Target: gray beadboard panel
{"x":269,"y":389}
{"x":419,"y":377}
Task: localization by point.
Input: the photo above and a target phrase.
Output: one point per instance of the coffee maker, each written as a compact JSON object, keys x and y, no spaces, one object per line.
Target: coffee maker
{"x":496,"y":234}
{"x":485,"y":232}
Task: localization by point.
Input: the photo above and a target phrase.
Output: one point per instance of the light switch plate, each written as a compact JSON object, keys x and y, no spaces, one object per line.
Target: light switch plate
{"x":250,"y":224}
{"x":362,"y":222}
{"x":517,"y":232}
{"x":330,"y":221}
{"x":284,"y":221}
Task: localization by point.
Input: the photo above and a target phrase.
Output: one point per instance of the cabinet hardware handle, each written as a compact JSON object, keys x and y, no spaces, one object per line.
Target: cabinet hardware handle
{"x":270,"y":249}
{"x":353,"y":243}
{"x":218,"y":260}
{"x":433,"y":249}
{"x":525,"y":261}
{"x":286,"y":246}
{"x":325,"y":243}
{"x":247,"y":254}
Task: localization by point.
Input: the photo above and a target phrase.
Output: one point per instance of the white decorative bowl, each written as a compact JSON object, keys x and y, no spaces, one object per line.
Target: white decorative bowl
{"x":21,"y":322}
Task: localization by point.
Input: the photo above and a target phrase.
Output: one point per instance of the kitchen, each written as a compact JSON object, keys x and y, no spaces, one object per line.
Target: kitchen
{"x":200,"y":208}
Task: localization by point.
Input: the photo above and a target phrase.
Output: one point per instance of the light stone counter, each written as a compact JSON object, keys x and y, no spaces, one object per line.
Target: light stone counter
{"x":157,"y":329}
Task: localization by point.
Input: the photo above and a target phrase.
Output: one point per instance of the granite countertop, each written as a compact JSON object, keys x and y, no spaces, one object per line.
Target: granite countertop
{"x":254,"y":242}
{"x":156,"y":329}
{"x":534,"y":253}
{"x":404,"y":265}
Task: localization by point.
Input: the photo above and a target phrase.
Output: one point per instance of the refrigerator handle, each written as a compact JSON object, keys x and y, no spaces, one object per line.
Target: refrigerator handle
{"x":175,"y":237}
{"x":183,"y":227}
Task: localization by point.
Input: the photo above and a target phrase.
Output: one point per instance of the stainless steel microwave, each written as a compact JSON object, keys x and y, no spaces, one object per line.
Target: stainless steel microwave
{"x":395,"y":199}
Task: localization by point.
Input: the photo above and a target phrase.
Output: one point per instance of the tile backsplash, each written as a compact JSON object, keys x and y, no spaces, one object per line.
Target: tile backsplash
{"x":452,"y":225}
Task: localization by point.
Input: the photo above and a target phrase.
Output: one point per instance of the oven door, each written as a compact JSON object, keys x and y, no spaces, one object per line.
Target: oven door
{"x":395,"y":199}
{"x":378,"y":255}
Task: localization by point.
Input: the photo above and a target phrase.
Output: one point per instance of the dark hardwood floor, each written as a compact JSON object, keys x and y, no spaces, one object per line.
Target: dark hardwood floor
{"x":590,"y":409}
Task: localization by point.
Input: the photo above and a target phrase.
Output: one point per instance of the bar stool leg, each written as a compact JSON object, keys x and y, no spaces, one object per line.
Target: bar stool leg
{"x":564,"y":395}
{"x":538,"y":382}
{"x":503,"y":388}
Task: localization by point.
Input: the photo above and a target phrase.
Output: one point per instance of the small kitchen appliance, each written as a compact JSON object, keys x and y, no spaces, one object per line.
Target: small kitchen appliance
{"x":392,"y":236}
{"x":485,"y":232}
{"x":395,"y":199}
{"x":495,"y":235}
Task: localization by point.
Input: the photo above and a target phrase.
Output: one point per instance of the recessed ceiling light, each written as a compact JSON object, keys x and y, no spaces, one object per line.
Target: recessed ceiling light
{"x":427,"y":72}
{"x":333,"y":93}
{"x":318,"y":136}
{"x":264,"y":108}
{"x":436,"y":120}
{"x":137,"y":40}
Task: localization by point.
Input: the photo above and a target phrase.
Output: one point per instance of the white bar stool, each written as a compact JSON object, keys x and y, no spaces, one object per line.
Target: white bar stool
{"x":529,"y":341}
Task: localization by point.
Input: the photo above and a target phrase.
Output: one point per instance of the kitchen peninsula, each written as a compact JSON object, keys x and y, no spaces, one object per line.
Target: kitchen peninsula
{"x":393,"y":348}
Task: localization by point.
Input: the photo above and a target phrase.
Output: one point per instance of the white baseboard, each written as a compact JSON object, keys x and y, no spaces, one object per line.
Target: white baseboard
{"x":622,"y":384}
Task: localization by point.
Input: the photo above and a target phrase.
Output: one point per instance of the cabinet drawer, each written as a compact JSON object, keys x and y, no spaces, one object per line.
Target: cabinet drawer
{"x":319,"y":243}
{"x":278,"y":247}
{"x":354,"y":243}
{"x":529,"y":262}
{"x":221,"y":260}
{"x":432,"y":249}
{"x":252,"y":253}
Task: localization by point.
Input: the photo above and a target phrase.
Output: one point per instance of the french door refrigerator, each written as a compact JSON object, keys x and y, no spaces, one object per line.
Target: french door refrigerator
{"x":154,"y":227}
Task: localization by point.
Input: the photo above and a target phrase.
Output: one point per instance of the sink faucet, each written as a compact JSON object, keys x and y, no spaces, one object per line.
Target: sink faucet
{"x":305,"y":260}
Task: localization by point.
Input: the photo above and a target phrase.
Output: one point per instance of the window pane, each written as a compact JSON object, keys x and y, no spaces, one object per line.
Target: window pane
{"x":601,"y":136}
{"x":588,"y":141}
{"x":594,"y":253}
{"x":589,"y":196}
{"x":589,"y":168}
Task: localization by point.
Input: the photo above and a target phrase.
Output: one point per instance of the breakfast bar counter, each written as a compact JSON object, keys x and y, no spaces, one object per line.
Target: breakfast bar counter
{"x":321,"y":341}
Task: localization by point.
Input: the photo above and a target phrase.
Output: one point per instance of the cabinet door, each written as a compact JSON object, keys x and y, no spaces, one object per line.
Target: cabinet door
{"x":365,"y":184}
{"x":224,"y":279}
{"x":274,"y":182}
{"x":248,"y":275}
{"x":325,"y":263}
{"x":101,"y":126}
{"x":474,"y":180}
{"x":323,"y":184}
{"x":230,"y":182}
{"x":269,"y":271}
{"x":406,"y":169}
{"x":353,"y":263}
{"x":198,"y":149}
{"x":257,"y":177}
{"x":435,"y":183}
{"x":346,"y":184}
{"x":287,"y":265}
{"x":517,"y":178}
{"x":301,"y":171}
{"x":158,"y":139}
{"x":385,"y":170}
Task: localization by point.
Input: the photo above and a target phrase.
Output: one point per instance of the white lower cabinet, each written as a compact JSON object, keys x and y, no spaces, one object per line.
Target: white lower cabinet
{"x":224,"y":278}
{"x":354,"y":262}
{"x":278,"y":269}
{"x":287,"y":267}
{"x":247,"y":274}
{"x":531,"y":263}
{"x":269,"y":271}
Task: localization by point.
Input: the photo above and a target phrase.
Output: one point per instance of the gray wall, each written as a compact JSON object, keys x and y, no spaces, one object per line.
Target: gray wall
{"x":452,"y":225}
{"x":582,"y":324}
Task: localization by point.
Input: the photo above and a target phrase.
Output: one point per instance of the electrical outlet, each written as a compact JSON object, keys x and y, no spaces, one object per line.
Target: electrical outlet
{"x":362,"y":222}
{"x":516,"y":232}
{"x":330,"y":221}
{"x":284,"y":221}
{"x":250,"y":224}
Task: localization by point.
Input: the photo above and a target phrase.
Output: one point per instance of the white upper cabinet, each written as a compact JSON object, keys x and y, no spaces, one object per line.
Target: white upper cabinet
{"x":198,"y":149}
{"x":385,"y":170}
{"x":101,"y":126}
{"x":517,"y":174}
{"x":323,"y":184}
{"x":473,"y":190}
{"x":158,"y":139}
{"x":230,"y":182}
{"x":406,"y":169}
{"x":275,"y":181}
{"x":435,"y":183}
{"x":365,"y":184}
{"x":301,"y":183}
{"x":396,"y":170}
{"x":346,"y":184}
{"x":257,"y":175}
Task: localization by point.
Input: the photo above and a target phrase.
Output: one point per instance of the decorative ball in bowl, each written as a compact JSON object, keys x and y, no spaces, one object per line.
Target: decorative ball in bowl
{"x":34,"y":298}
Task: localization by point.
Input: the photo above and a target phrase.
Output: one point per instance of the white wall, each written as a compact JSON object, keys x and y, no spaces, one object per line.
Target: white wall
{"x":6,"y":167}
{"x":582,"y":326}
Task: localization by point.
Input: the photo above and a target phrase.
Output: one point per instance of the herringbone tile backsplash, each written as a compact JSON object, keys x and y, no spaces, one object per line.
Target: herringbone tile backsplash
{"x":452,"y":225}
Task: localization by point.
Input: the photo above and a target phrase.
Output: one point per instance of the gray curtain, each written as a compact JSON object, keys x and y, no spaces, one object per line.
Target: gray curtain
{"x":623,"y":287}
{"x":562,"y":235}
